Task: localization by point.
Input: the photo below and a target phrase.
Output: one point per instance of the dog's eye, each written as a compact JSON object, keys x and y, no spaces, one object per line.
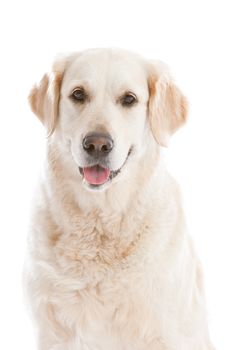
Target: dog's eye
{"x":128,"y":100}
{"x":79,"y":95}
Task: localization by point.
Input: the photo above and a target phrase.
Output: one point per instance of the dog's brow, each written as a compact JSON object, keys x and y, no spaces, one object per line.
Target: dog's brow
{"x":81,"y":84}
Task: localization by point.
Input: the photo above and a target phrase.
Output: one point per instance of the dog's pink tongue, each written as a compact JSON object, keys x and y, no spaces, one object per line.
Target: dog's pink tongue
{"x":96,"y":175}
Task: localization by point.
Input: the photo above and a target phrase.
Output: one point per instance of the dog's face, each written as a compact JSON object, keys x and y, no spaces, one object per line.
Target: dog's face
{"x":106,"y":107}
{"x":103,"y":112}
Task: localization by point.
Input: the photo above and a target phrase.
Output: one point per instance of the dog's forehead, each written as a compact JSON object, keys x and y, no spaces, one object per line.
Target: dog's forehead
{"x":107,"y":68}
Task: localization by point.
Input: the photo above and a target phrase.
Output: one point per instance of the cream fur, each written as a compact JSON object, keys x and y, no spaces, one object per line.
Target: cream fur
{"x":112,"y":269}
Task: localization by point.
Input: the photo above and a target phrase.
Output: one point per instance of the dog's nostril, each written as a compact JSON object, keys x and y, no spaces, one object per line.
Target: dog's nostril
{"x":89,"y":147}
{"x":105,"y":148}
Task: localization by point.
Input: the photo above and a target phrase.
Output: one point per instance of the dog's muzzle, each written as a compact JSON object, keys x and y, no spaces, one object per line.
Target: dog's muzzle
{"x":97,"y":147}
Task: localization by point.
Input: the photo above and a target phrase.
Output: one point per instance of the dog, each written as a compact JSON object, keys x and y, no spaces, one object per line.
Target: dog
{"x":110,"y":263}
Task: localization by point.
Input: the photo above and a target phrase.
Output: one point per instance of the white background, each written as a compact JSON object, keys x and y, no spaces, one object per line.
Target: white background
{"x":195,"y":39}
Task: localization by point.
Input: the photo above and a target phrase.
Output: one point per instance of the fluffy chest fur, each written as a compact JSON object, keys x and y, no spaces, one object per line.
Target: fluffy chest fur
{"x":98,"y":283}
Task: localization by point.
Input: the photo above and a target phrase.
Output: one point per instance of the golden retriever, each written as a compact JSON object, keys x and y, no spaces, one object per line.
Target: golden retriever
{"x":111,"y":266}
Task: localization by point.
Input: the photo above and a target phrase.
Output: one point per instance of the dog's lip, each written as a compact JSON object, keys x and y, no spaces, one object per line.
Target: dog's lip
{"x":113,"y":173}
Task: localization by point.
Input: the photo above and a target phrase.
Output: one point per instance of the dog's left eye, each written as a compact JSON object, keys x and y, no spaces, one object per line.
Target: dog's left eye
{"x":79,"y":95}
{"x":128,"y":100}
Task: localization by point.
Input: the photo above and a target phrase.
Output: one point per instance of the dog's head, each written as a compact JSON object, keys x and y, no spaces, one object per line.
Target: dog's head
{"x":106,"y":107}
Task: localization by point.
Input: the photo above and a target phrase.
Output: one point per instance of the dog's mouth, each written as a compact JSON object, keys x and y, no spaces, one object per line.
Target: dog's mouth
{"x":98,"y":175}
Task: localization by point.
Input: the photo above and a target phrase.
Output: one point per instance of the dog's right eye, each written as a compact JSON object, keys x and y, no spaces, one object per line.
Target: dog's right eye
{"x":128,"y":100}
{"x":79,"y":95}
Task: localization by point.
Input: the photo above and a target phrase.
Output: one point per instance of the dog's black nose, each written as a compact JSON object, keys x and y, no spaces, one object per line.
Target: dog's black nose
{"x":97,"y":144}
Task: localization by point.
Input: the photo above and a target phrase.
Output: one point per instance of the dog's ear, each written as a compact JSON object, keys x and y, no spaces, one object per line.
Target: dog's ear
{"x":44,"y":97}
{"x":168,"y":108}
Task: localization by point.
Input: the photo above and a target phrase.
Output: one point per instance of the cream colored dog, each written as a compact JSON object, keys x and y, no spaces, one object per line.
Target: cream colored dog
{"x":111,"y":265}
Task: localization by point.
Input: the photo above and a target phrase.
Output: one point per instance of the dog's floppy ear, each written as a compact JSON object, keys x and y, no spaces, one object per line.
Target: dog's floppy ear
{"x":44,"y":97}
{"x":167,"y":106}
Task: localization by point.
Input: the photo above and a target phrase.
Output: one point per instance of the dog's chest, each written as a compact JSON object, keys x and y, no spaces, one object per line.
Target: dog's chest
{"x":115,"y":310}
{"x":102,"y":282}
{"x":94,"y":249}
